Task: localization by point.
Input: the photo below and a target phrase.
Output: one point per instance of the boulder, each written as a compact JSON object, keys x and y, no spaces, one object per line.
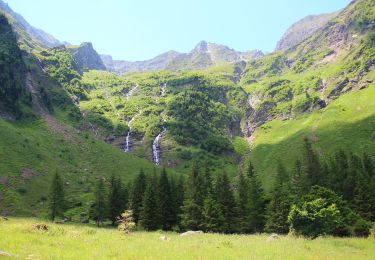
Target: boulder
{"x":188,"y":233}
{"x":165,"y":238}
{"x":273,"y":237}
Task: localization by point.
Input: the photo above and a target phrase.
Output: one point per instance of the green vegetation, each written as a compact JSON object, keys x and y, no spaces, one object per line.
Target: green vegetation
{"x":12,"y":69}
{"x":77,"y":241}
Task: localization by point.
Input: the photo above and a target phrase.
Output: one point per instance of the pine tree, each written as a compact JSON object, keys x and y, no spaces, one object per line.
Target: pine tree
{"x":150,"y":215}
{"x":279,"y":206}
{"x":243,"y":203}
{"x":313,"y":171}
{"x":117,"y":199}
{"x":166,"y":203}
{"x":213,"y":215}
{"x":296,"y":182}
{"x":138,"y":190}
{"x":56,"y":204}
{"x":225,"y":197}
{"x":178,"y":198}
{"x":192,"y":216}
{"x":257,"y":205}
{"x":99,"y":209}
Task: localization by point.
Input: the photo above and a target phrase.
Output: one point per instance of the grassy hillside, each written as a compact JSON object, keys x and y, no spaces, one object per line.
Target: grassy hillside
{"x":347,"y":123}
{"x":85,"y":242}
{"x":31,"y":152}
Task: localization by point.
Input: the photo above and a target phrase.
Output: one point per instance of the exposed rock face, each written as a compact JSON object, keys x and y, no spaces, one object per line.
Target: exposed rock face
{"x":158,"y":63}
{"x":205,"y":54}
{"x":86,"y":57}
{"x":302,"y":29}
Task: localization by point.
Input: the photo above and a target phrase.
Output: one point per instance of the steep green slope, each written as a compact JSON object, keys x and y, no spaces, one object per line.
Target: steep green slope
{"x":347,"y":123}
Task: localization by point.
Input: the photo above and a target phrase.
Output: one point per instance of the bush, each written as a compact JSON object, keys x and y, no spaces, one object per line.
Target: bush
{"x":362,"y":228}
{"x":323,"y":212}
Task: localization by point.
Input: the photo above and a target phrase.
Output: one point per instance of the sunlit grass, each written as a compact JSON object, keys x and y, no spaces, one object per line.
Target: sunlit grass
{"x":70,"y":241}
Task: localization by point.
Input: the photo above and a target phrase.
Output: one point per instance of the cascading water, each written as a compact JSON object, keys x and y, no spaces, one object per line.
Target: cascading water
{"x":163,"y":89}
{"x":127,"y":139}
{"x":130,"y":93}
{"x":156,"y":150}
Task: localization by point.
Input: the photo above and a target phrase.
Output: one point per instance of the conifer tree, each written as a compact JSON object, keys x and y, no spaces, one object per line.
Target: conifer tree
{"x":192,"y":217}
{"x":178,"y":198}
{"x":56,"y":203}
{"x":138,"y":190}
{"x":279,"y":206}
{"x":150,"y":215}
{"x":257,"y":205}
{"x":243,"y":203}
{"x":99,"y":210}
{"x":166,"y":203}
{"x":313,"y":171}
{"x":213,"y":215}
{"x":225,"y":197}
{"x":117,"y":199}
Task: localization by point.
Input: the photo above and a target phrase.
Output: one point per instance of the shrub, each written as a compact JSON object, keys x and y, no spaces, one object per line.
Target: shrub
{"x":126,"y":223}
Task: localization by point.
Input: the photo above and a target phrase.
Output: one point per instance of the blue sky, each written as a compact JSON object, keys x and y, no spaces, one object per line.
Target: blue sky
{"x":142,"y":29}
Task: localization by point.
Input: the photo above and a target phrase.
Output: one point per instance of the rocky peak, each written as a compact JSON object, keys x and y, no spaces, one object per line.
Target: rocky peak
{"x":86,"y":57}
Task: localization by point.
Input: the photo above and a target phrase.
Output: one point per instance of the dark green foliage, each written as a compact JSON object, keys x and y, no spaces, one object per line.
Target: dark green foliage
{"x":213,"y":217}
{"x":312,"y":170}
{"x":279,"y":206}
{"x":192,"y":217}
{"x":56,"y":201}
{"x":177,"y":188}
{"x":322,"y":211}
{"x":165,"y":202}
{"x":12,"y":69}
{"x":150,"y":213}
{"x":257,"y":205}
{"x":118,"y":198}
{"x":243,"y":203}
{"x":138,"y":190}
{"x":227,"y":202}
{"x":197,"y":120}
{"x":100,"y":203}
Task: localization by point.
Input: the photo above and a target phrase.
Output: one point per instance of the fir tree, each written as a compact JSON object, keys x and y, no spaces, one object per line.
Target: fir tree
{"x":257,"y":205}
{"x":227,"y":202}
{"x":166,"y":203}
{"x":99,"y":209}
{"x":149,"y":215}
{"x":279,"y":206}
{"x":192,"y":217}
{"x":213,"y":215}
{"x":178,"y":198}
{"x":243,"y":203}
{"x":117,"y":199}
{"x":56,"y":204}
{"x":138,"y":190}
{"x":313,"y":172}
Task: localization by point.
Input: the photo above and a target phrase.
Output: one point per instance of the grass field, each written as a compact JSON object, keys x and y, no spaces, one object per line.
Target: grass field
{"x":71,"y":241}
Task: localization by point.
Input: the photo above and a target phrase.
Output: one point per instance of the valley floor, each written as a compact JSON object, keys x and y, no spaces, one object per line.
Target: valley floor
{"x":69,"y":241}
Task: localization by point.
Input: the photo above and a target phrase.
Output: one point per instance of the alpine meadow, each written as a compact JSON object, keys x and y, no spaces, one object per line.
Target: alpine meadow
{"x":208,"y":154}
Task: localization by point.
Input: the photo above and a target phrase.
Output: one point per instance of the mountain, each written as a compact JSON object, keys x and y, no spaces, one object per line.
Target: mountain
{"x":160,"y":62}
{"x":28,"y":36}
{"x":86,"y":57}
{"x":249,"y":107}
{"x":302,"y":29}
{"x":202,"y":56}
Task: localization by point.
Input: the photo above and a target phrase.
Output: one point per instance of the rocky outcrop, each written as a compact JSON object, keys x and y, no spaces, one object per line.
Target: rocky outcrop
{"x":204,"y":54}
{"x":302,"y":29}
{"x":86,"y":57}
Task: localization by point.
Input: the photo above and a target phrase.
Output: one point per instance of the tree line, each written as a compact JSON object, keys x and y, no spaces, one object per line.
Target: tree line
{"x":335,"y":196}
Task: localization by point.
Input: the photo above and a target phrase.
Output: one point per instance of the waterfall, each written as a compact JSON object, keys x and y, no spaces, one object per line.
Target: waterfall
{"x":163,"y":89}
{"x":127,"y":139}
{"x":156,"y":149}
{"x":130,"y":92}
